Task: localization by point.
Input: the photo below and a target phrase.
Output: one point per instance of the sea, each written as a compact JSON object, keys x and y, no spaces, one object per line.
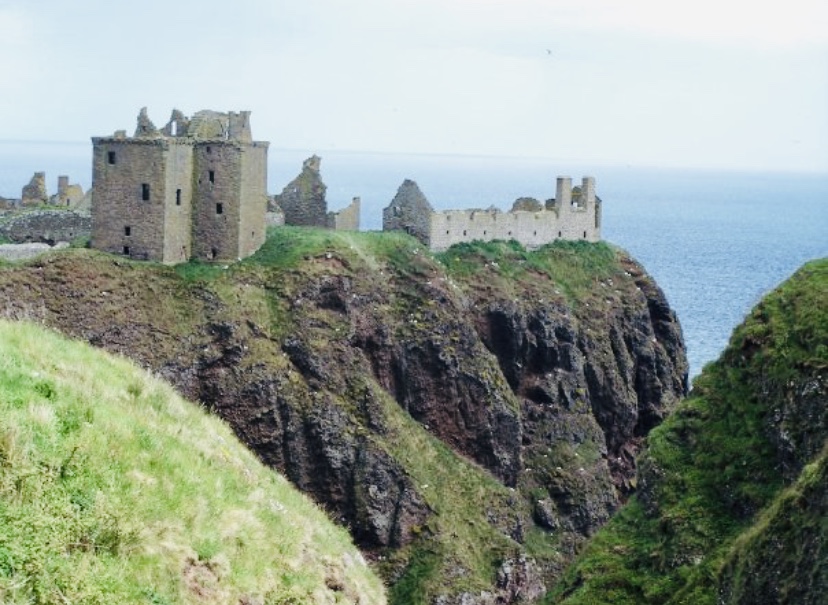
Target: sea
{"x":715,"y":241}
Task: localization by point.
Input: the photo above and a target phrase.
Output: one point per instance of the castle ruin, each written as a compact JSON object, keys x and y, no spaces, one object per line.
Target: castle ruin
{"x":574,"y":214}
{"x":193,"y":189}
{"x":303,"y":202}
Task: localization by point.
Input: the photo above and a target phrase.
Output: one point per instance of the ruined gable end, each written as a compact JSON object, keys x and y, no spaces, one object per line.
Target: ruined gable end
{"x":409,"y":211}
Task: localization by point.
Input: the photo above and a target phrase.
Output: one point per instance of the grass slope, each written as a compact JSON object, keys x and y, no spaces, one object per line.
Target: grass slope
{"x":716,"y":470}
{"x":115,"y":490}
{"x":463,"y":545}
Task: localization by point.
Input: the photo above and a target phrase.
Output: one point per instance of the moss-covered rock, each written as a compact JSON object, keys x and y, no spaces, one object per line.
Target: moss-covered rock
{"x":471,"y":417}
{"x":712,"y":508}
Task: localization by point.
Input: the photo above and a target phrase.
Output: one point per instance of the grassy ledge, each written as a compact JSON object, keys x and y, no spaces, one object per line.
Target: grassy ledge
{"x":115,"y":490}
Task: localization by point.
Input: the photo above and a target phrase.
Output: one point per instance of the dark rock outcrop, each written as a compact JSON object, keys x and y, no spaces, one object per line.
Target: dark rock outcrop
{"x":731,"y":498}
{"x":364,"y":376}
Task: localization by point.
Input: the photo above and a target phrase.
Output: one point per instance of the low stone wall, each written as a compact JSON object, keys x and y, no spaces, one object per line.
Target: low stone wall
{"x":48,"y":226}
{"x":346,"y":219}
{"x":14,"y":252}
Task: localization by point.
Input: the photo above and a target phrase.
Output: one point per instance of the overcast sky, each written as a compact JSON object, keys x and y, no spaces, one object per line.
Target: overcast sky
{"x":696,"y":83}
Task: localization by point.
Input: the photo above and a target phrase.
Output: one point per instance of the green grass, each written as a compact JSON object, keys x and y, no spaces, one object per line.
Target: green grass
{"x":574,"y":267}
{"x":115,"y":490}
{"x":714,"y":464}
{"x":286,"y":247}
{"x":462,"y":495}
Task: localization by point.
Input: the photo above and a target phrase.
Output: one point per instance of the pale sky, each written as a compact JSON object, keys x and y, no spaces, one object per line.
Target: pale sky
{"x":696,"y":83}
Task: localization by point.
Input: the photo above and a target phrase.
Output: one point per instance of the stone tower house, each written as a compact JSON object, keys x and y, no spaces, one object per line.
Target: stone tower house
{"x":194,"y":189}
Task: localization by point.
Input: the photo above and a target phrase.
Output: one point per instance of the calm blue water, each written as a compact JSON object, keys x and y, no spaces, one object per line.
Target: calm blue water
{"x":714,"y":241}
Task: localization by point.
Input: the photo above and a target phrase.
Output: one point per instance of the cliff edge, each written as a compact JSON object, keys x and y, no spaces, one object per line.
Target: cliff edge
{"x":733,"y":498}
{"x":471,"y":417}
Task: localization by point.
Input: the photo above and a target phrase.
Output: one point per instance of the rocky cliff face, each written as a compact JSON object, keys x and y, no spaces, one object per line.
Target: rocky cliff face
{"x":731,"y":501}
{"x":471,"y":419}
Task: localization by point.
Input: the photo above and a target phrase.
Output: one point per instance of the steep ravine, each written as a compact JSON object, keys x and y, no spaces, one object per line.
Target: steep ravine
{"x":471,"y":419}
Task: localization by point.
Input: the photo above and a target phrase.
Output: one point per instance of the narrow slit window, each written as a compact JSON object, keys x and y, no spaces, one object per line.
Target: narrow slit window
{"x":178,"y":197}
{"x":219,"y":208}
{"x":584,"y":234}
{"x":212,"y":176}
{"x":145,"y":192}
{"x":110,"y":158}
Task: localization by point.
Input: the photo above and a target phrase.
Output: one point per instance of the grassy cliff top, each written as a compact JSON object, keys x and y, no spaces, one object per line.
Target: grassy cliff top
{"x":115,"y":490}
{"x":749,"y":442}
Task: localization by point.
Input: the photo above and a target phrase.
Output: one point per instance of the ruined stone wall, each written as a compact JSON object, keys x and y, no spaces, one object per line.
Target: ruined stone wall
{"x":346,"y":219}
{"x":67,"y":194}
{"x":577,"y":218}
{"x":409,"y":211}
{"x":35,"y":191}
{"x":124,"y":172}
{"x":303,"y":199}
{"x":47,"y":226}
{"x":532,"y":229}
{"x":178,"y":202}
{"x":252,"y":224}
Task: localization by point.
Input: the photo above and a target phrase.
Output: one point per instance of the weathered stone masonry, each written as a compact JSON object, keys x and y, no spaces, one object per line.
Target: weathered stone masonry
{"x":195,"y":189}
{"x":572,"y":215}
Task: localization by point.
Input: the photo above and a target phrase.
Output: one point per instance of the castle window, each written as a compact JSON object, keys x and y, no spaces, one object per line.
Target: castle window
{"x":484,"y":232}
{"x":145,"y":192}
{"x":209,"y":149}
{"x":127,"y":230}
{"x":212,"y":175}
{"x":464,"y":232}
{"x":559,"y":234}
{"x":584,"y":234}
{"x":110,"y":157}
{"x":447,"y":231}
{"x":534,"y":233}
{"x":219,"y":208}
{"x":178,"y":197}
{"x":126,"y":250}
{"x":213,"y":253}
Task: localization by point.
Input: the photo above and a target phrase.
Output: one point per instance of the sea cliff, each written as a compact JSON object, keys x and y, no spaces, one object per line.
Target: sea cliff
{"x":471,"y":417}
{"x":732,"y":500}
